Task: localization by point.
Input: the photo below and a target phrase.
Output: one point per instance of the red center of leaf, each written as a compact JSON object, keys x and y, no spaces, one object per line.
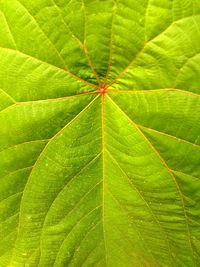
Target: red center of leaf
{"x":102,"y":90}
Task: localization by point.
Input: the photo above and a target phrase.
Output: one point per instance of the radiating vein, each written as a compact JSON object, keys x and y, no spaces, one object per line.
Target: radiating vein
{"x":111,"y":40}
{"x":64,"y":98}
{"x":85,"y":47}
{"x":135,"y":91}
{"x":103,"y":174}
{"x":168,"y":135}
{"x":126,"y":69}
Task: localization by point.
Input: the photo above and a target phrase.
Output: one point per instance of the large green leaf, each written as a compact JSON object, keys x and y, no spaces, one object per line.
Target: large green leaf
{"x":100,"y":133}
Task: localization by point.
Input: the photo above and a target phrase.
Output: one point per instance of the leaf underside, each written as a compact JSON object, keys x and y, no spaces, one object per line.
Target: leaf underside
{"x":99,"y":133}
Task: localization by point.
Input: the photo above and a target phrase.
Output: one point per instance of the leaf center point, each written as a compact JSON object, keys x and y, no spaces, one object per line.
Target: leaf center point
{"x":102,"y":90}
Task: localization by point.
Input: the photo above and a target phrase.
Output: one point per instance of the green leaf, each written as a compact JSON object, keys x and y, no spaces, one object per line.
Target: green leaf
{"x":100,"y":133}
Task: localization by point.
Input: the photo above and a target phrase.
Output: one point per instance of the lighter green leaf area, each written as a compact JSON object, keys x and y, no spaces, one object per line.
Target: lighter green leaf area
{"x":6,"y":38}
{"x":159,"y":62}
{"x":55,"y":50}
{"x":15,"y":168}
{"x":5,"y":100}
{"x":167,"y":111}
{"x":68,"y":47}
{"x":19,"y":158}
{"x":71,"y":218}
{"x":99,"y":133}
{"x":47,"y":116}
{"x":180,"y":155}
{"x":4,"y":259}
{"x":189,"y":74}
{"x":145,"y":184}
{"x":185,"y":8}
{"x":73,"y":14}
{"x":128,"y":27}
{"x":52,"y":158}
{"x":20,"y":22}
{"x":190,"y":187}
{"x":98,"y":32}
{"x":159,"y":15}
{"x":6,"y":251}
